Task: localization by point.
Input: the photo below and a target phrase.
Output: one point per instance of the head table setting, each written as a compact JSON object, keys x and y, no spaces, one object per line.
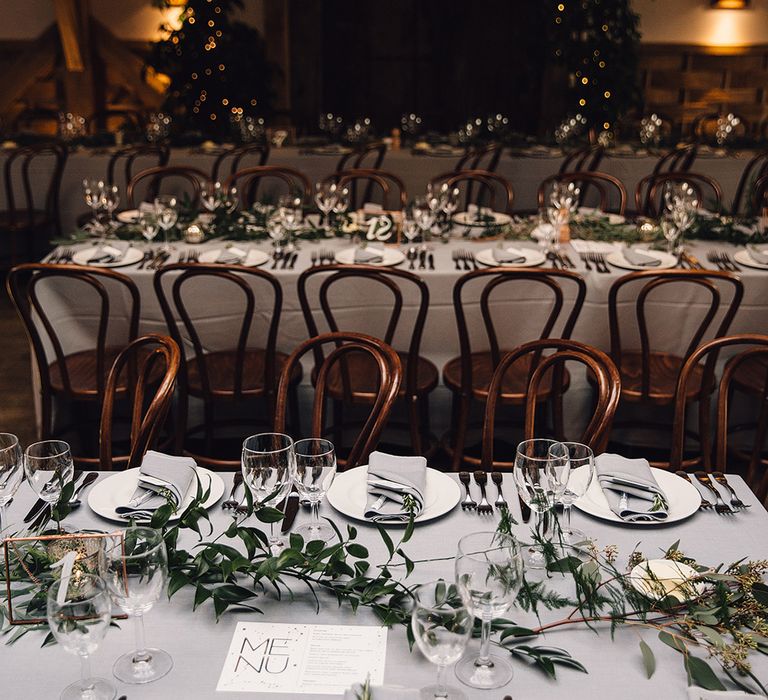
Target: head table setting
{"x":289,"y":578}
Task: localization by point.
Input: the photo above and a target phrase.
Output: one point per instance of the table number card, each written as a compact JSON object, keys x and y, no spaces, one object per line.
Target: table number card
{"x":284,"y":658}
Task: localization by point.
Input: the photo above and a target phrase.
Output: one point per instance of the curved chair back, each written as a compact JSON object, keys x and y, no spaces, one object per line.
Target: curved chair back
{"x":650,"y":191}
{"x":753,"y":347}
{"x":609,"y":189}
{"x":363,"y":181}
{"x":580,"y":160}
{"x":238,"y":280}
{"x":759,"y":198}
{"x":370,"y":156}
{"x":389,"y":373}
{"x":481,"y":158}
{"x":154,"y":178}
{"x":151,"y":363}
{"x":495,"y":278}
{"x":236,"y":154}
{"x":708,"y":280}
{"x":493,"y":190}
{"x":249,"y":180}
{"x":126,"y":158}
{"x":754,"y":171}
{"x":22,"y":284}
{"x":601,"y":367}
{"x":677,"y":160}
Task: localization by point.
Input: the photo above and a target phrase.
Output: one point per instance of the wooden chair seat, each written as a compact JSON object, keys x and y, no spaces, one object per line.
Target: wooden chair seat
{"x":221,"y":372}
{"x":363,"y":377}
{"x":514,"y":387}
{"x":750,"y":375}
{"x":664,"y":372}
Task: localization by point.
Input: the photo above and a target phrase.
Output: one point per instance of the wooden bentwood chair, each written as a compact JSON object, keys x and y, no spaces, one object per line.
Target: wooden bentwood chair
{"x":153,"y":179}
{"x":364,"y":182}
{"x":597,"y":362}
{"x":752,"y":358}
{"x":249,"y":180}
{"x":236,"y":155}
{"x":228,"y":375}
{"x":151,"y":364}
{"x":81,"y":375}
{"x":489,"y":185}
{"x":389,"y":371}
{"x":650,"y":377}
{"x":580,"y":160}
{"x":649,"y":193}
{"x":468,"y":376}
{"x":754,"y":171}
{"x":353,"y":381}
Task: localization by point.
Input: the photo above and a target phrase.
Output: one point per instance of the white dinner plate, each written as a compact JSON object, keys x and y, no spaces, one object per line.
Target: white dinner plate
{"x":464,"y":218}
{"x":593,"y":213}
{"x":658,"y":578}
{"x":129,"y":216}
{"x":348,"y":495}
{"x":617,"y":259}
{"x":683,"y":498}
{"x":130,"y":257}
{"x":392,"y":257}
{"x":253,"y":259}
{"x":744,"y":258}
{"x":532,"y":258}
{"x":116,"y":490}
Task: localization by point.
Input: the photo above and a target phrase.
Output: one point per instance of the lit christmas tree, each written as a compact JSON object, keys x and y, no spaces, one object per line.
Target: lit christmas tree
{"x":217,"y":67}
{"x":597,"y":42}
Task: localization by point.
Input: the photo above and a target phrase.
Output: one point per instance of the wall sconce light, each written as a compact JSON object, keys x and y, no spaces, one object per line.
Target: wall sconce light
{"x":729,"y":4}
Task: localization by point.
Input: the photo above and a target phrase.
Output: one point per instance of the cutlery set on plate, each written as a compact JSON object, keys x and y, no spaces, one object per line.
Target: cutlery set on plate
{"x":722,"y":260}
{"x":154,"y":260}
{"x":484,"y":506}
{"x":597,"y":259}
{"x":560,"y":260}
{"x":711,"y":491}
{"x":40,"y":512}
{"x":284,"y":260}
{"x":61,"y":256}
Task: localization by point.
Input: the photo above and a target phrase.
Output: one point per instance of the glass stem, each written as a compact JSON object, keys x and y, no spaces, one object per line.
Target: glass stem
{"x":315,"y":514}
{"x":141,"y":655}
{"x":485,"y":643}
{"x":567,"y":518}
{"x":440,"y":690}
{"x":86,"y":683}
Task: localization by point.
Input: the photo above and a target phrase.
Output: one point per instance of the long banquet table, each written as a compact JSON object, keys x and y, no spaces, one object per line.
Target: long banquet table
{"x":525,"y":172}
{"x":199,"y":645}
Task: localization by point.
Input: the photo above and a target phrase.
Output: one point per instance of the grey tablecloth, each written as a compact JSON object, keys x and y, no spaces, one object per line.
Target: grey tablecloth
{"x":199,"y":645}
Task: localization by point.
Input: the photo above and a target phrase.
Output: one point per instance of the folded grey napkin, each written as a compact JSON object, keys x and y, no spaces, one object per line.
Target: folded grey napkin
{"x":391,"y":481}
{"x":636,"y":257}
{"x":109,"y":252}
{"x":162,"y":479}
{"x":630,"y":488}
{"x":383,"y":692}
{"x":369,"y":255}
{"x":510,"y":256}
{"x":758,"y":256}
{"x":231,"y":256}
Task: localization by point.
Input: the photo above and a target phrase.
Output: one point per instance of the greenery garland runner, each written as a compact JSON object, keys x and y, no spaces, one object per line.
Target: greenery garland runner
{"x":727,"y":620}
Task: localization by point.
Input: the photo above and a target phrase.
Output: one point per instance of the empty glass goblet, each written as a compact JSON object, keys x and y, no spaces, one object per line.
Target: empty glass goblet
{"x":325,"y":198}
{"x":315,"y":469}
{"x":92,"y":192}
{"x":11,"y":472}
{"x":48,"y":466}
{"x":135,"y":568}
{"x":167,"y":215}
{"x":148,"y":225}
{"x":489,"y":574}
{"x":78,"y":618}
{"x":441,"y":625}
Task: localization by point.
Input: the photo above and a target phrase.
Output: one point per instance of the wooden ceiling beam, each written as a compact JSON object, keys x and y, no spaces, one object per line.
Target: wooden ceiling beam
{"x":36,"y":62}
{"x":72,"y":19}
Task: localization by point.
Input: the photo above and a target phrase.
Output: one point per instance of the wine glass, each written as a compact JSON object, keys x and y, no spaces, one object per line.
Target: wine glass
{"x":315,"y":469}
{"x":167,"y":216}
{"x":48,"y":466}
{"x":577,"y":456}
{"x":210,"y":192}
{"x":267,"y":464}
{"x":671,"y":233}
{"x":79,"y":612}
{"x":423,"y":215}
{"x":441,"y":625}
{"x":489,"y":574}
{"x":92,"y":192}
{"x":541,"y":479}
{"x":110,"y":198}
{"x":410,"y":227}
{"x":450,"y":205}
{"x":149,"y":225}
{"x":135,"y":568}
{"x":325,"y":198}
{"x":11,"y":472}
{"x":290,"y":214}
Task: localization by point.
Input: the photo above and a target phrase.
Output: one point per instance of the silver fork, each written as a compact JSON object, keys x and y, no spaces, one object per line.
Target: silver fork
{"x":736,"y":502}
{"x":484,"y":507}
{"x":232,"y":503}
{"x":497,"y":478}
{"x":720,"y":506}
{"x":585,"y":259}
{"x":705,"y":504}
{"x":468,"y":503}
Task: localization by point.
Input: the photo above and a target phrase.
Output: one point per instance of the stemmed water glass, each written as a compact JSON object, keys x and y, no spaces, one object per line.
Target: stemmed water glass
{"x":671,"y":233}
{"x":135,"y":568}
{"x":581,"y":457}
{"x":48,"y":466}
{"x":449,"y":206}
{"x":290,"y":214}
{"x":541,"y":479}
{"x":343,"y":202}
{"x":267,"y":464}
{"x":563,"y":202}
{"x":423,"y":215}
{"x":110,"y":198}
{"x":11,"y":472}
{"x":410,"y":227}
{"x":315,"y":469}
{"x":325,"y":198}
{"x":92,"y":192}
{"x":78,"y":618}
{"x":149,"y":225}
{"x":167,"y":215}
{"x":215,"y":196}
{"x":441,"y":625}
{"x":489,"y":574}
